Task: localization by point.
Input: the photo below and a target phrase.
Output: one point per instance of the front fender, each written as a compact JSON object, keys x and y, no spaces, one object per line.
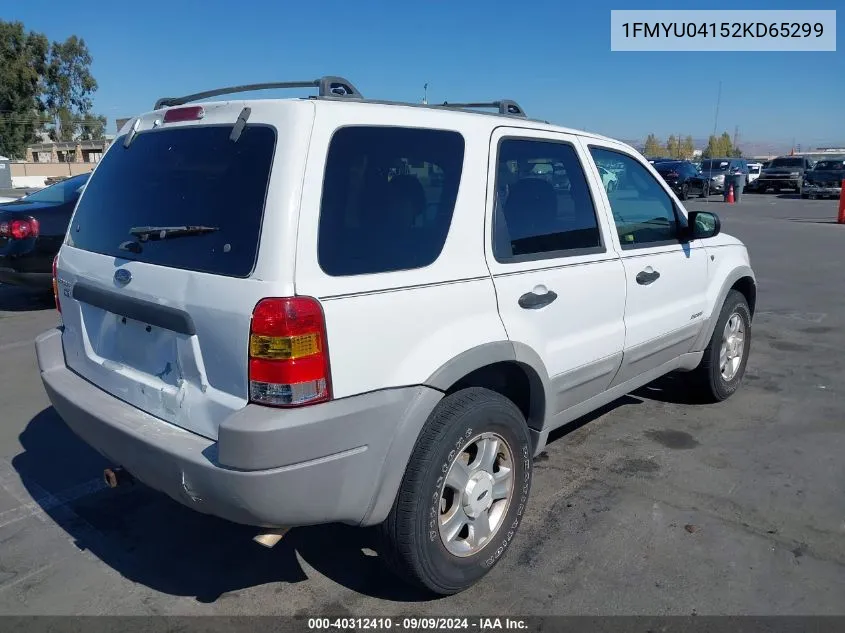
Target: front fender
{"x":716,"y":299}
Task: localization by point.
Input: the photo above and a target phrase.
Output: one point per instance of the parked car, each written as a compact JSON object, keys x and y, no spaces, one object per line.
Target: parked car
{"x":715,"y":170}
{"x":608,"y":179}
{"x":278,"y":377}
{"x":684,"y":178}
{"x":31,"y":232}
{"x":824,"y":179}
{"x":784,"y":172}
{"x":754,"y":170}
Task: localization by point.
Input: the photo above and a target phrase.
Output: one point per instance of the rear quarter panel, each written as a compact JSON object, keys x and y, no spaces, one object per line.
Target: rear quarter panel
{"x":398,"y":328}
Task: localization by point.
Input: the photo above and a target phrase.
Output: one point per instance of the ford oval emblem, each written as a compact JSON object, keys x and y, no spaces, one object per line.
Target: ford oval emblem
{"x":122,"y":276}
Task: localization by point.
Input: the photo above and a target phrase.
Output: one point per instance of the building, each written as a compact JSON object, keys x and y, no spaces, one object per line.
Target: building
{"x":67,"y":152}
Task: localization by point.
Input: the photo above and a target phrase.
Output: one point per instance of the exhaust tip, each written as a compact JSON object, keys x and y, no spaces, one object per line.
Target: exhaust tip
{"x":271,"y":537}
{"x":114,"y":477}
{"x":110,"y":478}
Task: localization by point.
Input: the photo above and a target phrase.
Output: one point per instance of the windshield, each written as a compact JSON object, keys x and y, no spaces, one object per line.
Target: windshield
{"x":787,"y":162}
{"x":61,"y":192}
{"x":714,"y":165}
{"x":189,"y":177}
{"x":830,"y":165}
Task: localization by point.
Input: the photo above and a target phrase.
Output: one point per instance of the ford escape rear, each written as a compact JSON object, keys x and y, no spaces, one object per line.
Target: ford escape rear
{"x":330,"y":309}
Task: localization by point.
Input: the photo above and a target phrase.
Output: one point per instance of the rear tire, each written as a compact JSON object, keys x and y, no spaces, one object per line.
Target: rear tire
{"x":421,"y":539}
{"x":721,"y":369}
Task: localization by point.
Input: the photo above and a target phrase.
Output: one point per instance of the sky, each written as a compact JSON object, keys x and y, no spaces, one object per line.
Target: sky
{"x":553,"y":57}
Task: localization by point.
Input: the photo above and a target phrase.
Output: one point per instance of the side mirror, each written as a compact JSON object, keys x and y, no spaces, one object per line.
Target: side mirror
{"x":703,"y":224}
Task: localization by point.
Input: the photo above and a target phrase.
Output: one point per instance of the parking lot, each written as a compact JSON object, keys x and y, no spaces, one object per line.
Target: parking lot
{"x":652,"y":506}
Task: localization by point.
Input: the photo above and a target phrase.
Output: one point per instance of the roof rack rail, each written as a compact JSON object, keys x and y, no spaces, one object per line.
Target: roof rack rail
{"x":505,"y":106}
{"x":327,"y":86}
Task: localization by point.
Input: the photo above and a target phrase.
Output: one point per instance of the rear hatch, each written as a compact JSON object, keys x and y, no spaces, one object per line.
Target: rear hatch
{"x":158,"y":276}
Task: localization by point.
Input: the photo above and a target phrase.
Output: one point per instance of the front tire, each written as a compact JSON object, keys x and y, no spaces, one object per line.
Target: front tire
{"x":721,"y":369}
{"x":463,"y":494}
{"x":684,"y":192}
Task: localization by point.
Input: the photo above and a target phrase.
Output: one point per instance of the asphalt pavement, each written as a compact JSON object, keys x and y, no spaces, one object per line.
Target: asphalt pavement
{"x":650,"y":506}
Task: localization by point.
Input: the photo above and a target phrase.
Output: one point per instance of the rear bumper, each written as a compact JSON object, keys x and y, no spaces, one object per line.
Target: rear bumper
{"x":823,"y":191}
{"x":336,"y":462}
{"x":13,"y":277}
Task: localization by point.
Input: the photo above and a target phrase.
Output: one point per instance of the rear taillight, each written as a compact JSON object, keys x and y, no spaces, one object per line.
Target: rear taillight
{"x":56,"y":283}
{"x":20,"y":229}
{"x":288,"y":358}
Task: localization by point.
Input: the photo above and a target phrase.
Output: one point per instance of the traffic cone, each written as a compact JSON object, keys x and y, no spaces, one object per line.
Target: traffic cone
{"x":730,"y":199}
{"x":841,"y":218}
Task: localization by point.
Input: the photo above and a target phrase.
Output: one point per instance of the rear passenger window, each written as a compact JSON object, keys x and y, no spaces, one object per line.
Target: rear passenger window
{"x":643,"y":211}
{"x":543,"y":204}
{"x":388,"y":198}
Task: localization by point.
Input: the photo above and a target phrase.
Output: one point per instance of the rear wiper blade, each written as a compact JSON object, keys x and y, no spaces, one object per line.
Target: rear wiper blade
{"x":164,"y":232}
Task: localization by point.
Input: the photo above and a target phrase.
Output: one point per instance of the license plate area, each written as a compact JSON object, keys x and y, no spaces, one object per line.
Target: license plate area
{"x":124,"y":343}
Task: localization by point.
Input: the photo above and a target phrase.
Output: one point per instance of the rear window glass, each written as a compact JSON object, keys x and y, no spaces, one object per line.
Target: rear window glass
{"x":190,"y":176}
{"x":830,"y":165}
{"x":667,"y":167}
{"x":715,"y":165}
{"x":388,"y":198}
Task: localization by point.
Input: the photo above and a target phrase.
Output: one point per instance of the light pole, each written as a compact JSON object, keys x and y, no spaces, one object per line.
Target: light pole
{"x":425,"y":93}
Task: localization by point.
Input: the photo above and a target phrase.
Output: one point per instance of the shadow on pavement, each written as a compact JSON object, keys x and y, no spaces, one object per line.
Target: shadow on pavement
{"x":671,"y":388}
{"x":827,"y":220}
{"x":16,"y":299}
{"x":152,"y":540}
{"x":573,"y":426}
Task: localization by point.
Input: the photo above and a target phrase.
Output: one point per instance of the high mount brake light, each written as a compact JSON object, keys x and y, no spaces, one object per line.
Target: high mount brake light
{"x":189,"y":113}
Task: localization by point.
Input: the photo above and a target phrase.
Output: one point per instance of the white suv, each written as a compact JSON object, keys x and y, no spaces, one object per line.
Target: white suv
{"x":331,"y":309}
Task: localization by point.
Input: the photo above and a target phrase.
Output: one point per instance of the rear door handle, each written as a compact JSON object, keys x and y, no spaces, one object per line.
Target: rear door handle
{"x":534,"y":301}
{"x":648,"y":276}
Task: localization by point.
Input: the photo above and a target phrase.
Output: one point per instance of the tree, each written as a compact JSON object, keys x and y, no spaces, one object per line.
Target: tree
{"x":653,"y":146}
{"x":726,"y":144}
{"x":719,"y":147}
{"x":68,"y":86}
{"x":22,"y":64}
{"x":687,"y":148}
{"x":92,"y":127}
{"x":673,"y":146}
